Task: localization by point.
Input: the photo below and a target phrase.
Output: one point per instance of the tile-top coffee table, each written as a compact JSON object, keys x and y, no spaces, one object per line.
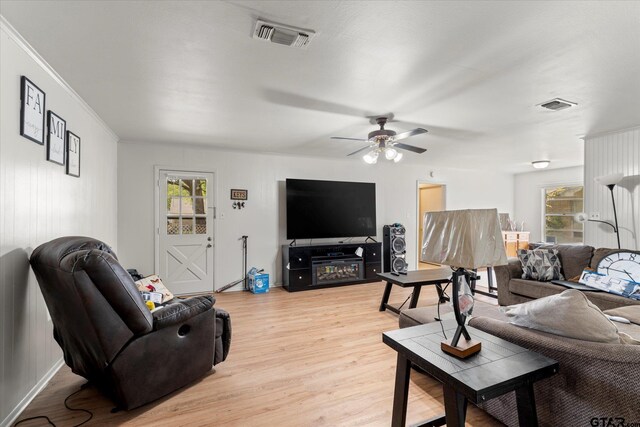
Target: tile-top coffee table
{"x":499,"y":368}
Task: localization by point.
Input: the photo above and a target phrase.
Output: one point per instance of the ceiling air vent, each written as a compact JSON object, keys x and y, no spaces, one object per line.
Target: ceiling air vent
{"x":282,"y":34}
{"x":557,"y":104}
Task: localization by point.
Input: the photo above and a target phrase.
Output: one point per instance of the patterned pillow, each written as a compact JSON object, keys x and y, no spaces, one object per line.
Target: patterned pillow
{"x":542,"y":265}
{"x":153,"y":284}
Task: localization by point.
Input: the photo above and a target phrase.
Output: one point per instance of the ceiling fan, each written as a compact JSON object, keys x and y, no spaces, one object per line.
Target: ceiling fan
{"x":385,"y":141}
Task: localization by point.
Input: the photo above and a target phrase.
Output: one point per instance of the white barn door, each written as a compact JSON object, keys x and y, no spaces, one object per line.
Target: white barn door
{"x":185,"y":232}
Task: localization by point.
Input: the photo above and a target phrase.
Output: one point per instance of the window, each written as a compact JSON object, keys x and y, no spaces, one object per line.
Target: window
{"x":560,"y":205}
{"x":186,"y":205}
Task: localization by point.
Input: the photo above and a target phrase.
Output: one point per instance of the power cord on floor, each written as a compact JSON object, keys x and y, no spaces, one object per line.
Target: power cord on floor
{"x":444,"y":294}
{"x":66,"y":405}
{"x":405,"y":301}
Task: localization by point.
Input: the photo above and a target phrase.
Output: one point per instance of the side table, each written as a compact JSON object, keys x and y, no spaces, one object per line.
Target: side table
{"x":499,"y":368}
{"x":415,"y":279}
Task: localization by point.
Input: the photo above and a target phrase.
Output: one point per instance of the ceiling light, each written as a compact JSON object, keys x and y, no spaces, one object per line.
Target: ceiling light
{"x":540,"y":164}
{"x":371,"y":157}
{"x":398,"y":158}
{"x":390,"y":153}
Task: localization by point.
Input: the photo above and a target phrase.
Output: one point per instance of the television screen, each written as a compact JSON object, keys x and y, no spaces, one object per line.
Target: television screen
{"x":324,"y":209}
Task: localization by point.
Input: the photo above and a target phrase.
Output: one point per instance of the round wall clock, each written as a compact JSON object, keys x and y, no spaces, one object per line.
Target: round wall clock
{"x":622,"y":264}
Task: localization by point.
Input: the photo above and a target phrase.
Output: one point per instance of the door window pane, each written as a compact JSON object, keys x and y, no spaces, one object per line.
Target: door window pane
{"x":187,"y":187}
{"x":186,"y":206}
{"x":200,"y":205}
{"x":200,"y":186}
{"x":173,"y":225}
{"x":187,"y":225}
{"x":201,"y":225}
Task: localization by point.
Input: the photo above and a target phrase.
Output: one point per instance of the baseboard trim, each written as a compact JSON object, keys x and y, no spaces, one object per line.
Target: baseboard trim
{"x":15,"y":413}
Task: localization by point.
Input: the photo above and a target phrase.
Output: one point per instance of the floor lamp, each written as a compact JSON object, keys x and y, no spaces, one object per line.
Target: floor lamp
{"x":609,"y":181}
{"x":465,"y":240}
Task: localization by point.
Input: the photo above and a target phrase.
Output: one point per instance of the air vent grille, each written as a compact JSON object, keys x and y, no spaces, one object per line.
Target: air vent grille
{"x":265,"y":32}
{"x":557,"y":104}
{"x":282,"y":34}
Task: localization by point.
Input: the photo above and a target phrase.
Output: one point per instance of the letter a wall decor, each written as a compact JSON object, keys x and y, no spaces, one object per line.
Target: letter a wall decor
{"x":32,"y":111}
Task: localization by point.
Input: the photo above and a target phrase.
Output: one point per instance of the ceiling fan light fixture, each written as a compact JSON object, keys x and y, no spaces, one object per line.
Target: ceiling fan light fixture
{"x":390,"y":153}
{"x":371,"y":157}
{"x":384,"y":142}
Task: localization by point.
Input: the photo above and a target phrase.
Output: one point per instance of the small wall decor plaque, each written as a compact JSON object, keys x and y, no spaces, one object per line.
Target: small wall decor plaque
{"x":73,"y":154}
{"x":31,"y":111}
{"x":238,"y":194}
{"x":56,"y":138}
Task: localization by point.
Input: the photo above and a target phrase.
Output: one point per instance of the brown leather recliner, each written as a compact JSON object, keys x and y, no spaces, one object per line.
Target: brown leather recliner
{"x":111,"y":338}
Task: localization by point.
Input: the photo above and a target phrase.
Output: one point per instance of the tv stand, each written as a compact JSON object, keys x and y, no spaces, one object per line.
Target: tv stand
{"x":325,"y":266}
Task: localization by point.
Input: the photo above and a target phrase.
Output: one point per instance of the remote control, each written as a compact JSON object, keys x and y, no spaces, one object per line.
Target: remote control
{"x":618,"y":319}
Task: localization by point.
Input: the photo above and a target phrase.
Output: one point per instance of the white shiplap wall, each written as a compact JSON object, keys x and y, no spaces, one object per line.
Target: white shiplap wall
{"x":262,"y":219}
{"x":38,"y":202}
{"x":607,"y":154}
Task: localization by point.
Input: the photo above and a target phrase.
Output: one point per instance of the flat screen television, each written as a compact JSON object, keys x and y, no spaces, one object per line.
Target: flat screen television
{"x":326,"y":209}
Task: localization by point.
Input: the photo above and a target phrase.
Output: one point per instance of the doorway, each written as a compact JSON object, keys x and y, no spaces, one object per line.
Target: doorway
{"x":431,"y":198}
{"x":185,"y":231}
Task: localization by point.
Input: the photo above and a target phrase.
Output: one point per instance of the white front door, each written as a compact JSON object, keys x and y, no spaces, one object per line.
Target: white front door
{"x":185,"y":232}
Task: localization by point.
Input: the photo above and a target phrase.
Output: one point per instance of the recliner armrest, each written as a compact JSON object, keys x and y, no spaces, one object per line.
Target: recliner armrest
{"x":181,"y":311}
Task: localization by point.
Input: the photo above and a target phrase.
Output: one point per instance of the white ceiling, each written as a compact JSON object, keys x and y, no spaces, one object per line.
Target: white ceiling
{"x":188,"y":72}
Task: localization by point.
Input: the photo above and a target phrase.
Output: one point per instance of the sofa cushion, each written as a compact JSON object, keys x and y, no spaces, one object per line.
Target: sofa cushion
{"x":534,"y":289}
{"x":540,"y":264}
{"x":574,"y":258}
{"x":428,"y":314}
{"x":569,"y":314}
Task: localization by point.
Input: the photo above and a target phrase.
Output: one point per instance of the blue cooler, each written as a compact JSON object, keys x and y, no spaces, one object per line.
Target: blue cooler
{"x":259,"y":283}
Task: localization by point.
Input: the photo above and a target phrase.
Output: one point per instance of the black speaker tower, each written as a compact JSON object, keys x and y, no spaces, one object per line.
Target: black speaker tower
{"x":394,"y":249}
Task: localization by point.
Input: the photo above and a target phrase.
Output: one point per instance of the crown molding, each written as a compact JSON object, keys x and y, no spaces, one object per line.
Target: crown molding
{"x":14,"y":35}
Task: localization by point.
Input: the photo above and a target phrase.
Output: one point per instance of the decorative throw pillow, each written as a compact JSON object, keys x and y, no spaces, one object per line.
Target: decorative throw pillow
{"x":569,"y":314}
{"x":154,"y":284}
{"x":540,"y":264}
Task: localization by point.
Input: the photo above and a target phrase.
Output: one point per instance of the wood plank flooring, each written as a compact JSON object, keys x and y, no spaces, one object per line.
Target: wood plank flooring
{"x":313,"y":358}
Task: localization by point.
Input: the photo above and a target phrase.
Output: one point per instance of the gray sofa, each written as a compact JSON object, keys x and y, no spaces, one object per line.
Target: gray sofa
{"x":513,"y":289}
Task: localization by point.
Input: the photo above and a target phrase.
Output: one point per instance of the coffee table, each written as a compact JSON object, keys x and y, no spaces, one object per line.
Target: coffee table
{"x":415,"y":279}
{"x":499,"y":368}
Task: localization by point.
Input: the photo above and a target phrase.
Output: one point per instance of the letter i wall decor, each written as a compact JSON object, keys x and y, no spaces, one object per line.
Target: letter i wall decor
{"x":55,"y":138}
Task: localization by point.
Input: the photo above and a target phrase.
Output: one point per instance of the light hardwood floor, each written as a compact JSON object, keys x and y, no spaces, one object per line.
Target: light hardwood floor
{"x":312,"y":358}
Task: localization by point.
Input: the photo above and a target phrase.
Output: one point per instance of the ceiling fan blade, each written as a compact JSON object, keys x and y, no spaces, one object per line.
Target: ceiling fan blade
{"x":409,"y":148}
{"x":350,"y":139}
{"x":409,"y":134}
{"x":357,"y":151}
